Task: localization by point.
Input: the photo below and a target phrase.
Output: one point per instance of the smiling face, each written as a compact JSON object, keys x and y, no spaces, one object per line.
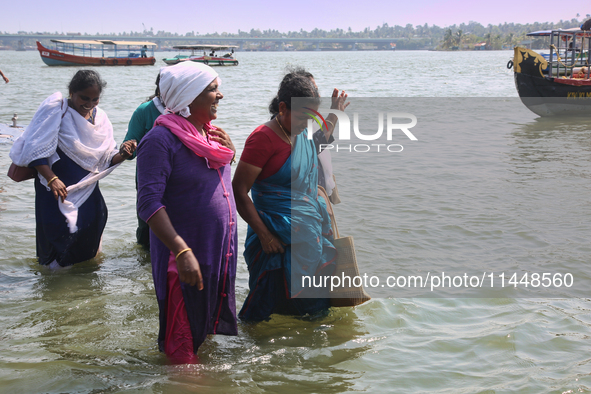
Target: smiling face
{"x":294,"y":120}
{"x":84,"y":101}
{"x":205,"y":106}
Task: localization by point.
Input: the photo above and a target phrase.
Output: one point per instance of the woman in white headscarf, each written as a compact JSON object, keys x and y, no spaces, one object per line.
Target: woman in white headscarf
{"x":185,"y":195}
{"x":70,"y":143}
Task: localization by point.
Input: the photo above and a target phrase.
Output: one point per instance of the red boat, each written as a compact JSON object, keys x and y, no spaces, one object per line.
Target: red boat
{"x":98,"y":53}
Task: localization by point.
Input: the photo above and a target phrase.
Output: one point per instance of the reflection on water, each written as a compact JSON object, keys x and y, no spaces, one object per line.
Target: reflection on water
{"x":553,"y":139}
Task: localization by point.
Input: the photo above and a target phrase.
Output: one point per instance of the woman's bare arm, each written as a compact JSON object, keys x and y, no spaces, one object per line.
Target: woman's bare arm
{"x":187,"y":264}
{"x":244,"y":177}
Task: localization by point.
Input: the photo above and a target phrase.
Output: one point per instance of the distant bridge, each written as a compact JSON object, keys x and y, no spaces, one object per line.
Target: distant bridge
{"x":278,"y":42}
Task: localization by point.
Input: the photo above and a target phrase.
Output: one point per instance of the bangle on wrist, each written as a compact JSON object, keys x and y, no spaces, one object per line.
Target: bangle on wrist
{"x":181,"y":252}
{"x":328,"y":121}
{"x":51,"y":180}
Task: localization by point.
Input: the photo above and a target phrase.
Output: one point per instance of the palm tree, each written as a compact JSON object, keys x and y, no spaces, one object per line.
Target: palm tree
{"x":448,"y":39}
{"x":509,"y":39}
{"x":459,"y":35}
{"x":488,"y":38}
{"x":497,"y":40}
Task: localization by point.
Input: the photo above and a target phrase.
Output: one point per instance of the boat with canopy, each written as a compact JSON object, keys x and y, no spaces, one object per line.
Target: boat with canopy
{"x":560,"y":82}
{"x":98,"y":53}
{"x":210,"y":58}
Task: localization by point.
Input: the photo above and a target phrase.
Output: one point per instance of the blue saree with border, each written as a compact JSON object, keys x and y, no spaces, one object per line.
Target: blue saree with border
{"x":289,"y":206}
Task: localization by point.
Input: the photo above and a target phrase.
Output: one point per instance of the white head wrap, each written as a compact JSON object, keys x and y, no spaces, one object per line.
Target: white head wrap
{"x":182,"y":83}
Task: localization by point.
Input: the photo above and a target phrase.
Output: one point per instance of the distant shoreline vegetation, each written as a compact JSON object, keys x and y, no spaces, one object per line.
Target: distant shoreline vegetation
{"x":468,"y":36}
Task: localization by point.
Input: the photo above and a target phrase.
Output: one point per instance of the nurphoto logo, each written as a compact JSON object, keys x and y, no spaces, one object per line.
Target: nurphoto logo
{"x":393,"y":125}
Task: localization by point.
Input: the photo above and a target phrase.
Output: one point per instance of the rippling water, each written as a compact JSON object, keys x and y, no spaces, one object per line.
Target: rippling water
{"x":521,"y":187}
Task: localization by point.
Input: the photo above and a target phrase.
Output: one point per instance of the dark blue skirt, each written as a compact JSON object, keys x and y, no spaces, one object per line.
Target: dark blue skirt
{"x":54,"y":241}
{"x":271,"y":296}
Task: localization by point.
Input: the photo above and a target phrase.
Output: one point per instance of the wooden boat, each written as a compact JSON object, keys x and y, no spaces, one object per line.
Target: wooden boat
{"x":226,"y":60}
{"x":98,"y":53}
{"x":559,"y":84}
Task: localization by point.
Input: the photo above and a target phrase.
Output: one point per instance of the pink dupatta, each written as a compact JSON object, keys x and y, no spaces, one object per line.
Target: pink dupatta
{"x":215,"y":154}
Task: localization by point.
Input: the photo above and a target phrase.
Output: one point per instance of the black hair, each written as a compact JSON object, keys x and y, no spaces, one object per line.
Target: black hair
{"x":294,"y":84}
{"x":84,"y":79}
{"x":157,"y":91}
{"x":299,"y":70}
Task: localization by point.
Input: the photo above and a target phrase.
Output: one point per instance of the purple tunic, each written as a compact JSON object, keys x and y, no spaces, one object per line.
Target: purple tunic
{"x":200,"y":204}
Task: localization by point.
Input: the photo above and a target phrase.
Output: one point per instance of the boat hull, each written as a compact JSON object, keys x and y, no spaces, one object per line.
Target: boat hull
{"x":210,"y":61}
{"x":554,"y":97}
{"x":547,"y":96}
{"x":55,"y":58}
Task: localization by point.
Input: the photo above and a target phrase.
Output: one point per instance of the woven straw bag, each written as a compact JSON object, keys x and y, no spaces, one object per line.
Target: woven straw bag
{"x":346,"y":265}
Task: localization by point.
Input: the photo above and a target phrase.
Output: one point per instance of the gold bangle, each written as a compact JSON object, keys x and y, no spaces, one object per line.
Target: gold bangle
{"x":181,"y":252}
{"x":51,"y":180}
{"x":328,"y":121}
{"x":271,"y":241}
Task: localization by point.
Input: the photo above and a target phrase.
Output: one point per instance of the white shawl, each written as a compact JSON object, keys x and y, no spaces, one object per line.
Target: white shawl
{"x":159,"y":106}
{"x":90,"y":146}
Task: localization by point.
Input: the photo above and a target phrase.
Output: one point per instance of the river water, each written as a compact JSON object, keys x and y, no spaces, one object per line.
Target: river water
{"x":481,"y":197}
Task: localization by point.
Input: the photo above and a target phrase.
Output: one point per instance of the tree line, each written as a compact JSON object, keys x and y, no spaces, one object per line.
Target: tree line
{"x":462,"y":36}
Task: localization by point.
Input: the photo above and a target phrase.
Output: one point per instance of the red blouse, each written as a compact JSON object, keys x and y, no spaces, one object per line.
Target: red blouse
{"x":264,"y":149}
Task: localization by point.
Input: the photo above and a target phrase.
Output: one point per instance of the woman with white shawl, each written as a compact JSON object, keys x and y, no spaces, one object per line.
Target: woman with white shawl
{"x":70,"y":143}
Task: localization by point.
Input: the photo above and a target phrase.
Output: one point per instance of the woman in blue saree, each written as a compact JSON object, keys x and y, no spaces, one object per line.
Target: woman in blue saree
{"x":289,"y":235}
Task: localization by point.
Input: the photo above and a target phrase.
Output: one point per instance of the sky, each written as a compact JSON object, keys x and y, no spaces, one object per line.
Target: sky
{"x":182,"y":16}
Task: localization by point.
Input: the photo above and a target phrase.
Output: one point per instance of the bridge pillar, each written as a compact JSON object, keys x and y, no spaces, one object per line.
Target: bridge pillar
{"x":318,"y":46}
{"x":354,"y":46}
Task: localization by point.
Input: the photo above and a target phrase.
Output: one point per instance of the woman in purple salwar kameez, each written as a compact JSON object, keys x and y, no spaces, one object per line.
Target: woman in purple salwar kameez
{"x":185,"y":195}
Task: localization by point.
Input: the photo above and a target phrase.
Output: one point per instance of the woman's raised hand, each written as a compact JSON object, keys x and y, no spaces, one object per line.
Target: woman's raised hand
{"x":189,"y":271}
{"x":339,"y":101}
{"x":219,"y":135}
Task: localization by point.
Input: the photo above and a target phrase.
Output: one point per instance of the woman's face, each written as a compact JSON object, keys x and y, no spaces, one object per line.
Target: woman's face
{"x":296,"y":120}
{"x":205,"y":106}
{"x":83,"y":101}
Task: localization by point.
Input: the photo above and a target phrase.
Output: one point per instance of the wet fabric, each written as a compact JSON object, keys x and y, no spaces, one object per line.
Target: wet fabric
{"x":54,"y":240}
{"x":288,"y":205}
{"x":178,"y":340}
{"x":198,"y":202}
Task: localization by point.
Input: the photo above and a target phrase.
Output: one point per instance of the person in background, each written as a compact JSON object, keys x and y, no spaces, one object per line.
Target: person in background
{"x":140,"y":123}
{"x":185,"y":196}
{"x":279,"y":168}
{"x":4,"y":77}
{"x":70,"y":143}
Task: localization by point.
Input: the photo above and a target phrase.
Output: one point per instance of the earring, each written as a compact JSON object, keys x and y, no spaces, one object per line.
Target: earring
{"x":281,"y":113}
